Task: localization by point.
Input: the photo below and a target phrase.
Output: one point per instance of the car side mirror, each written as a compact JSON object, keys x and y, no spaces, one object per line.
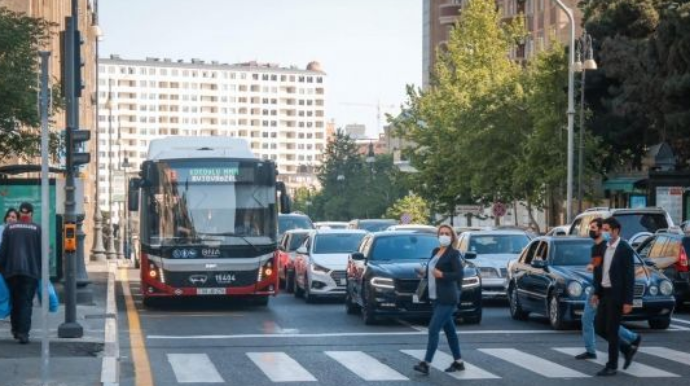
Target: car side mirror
{"x":358,"y":256}
{"x":302,"y":250}
{"x":539,"y":264}
{"x":470,"y":255}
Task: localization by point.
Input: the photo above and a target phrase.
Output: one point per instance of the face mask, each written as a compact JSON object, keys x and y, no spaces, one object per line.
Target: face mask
{"x":444,"y":240}
{"x":606,"y":235}
{"x":593,"y":234}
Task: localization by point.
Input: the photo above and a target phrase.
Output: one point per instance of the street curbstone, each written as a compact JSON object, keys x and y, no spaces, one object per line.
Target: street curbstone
{"x":110,"y":368}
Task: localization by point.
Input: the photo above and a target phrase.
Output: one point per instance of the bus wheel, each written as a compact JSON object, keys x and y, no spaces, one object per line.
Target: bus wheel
{"x":261,"y":301}
{"x":150,"y":302}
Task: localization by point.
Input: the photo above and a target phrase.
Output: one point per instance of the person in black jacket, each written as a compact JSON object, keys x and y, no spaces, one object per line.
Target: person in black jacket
{"x":614,"y":281}
{"x":20,"y":264}
{"x":444,"y":273}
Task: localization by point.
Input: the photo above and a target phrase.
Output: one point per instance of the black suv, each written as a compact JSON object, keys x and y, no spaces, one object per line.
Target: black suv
{"x":668,"y":252}
{"x":636,"y":223}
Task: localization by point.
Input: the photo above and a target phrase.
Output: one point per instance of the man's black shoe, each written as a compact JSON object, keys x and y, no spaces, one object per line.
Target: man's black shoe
{"x":607,"y":372}
{"x":455,"y":366}
{"x":422,"y":367}
{"x":586,"y":355}
{"x":631,"y":352}
{"x":23,"y":339}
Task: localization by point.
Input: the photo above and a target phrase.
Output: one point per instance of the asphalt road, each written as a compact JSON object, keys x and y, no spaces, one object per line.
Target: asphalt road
{"x":205,"y":342}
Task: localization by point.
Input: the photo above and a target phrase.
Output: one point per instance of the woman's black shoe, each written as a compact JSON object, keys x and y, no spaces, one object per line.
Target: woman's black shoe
{"x":422,"y":367}
{"x":456,"y":366}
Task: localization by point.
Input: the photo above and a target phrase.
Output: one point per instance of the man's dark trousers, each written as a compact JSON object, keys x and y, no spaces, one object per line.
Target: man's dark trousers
{"x":608,"y":322}
{"x":22,"y":291}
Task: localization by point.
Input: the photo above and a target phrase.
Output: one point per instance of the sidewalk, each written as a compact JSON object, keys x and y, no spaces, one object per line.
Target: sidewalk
{"x":73,"y":362}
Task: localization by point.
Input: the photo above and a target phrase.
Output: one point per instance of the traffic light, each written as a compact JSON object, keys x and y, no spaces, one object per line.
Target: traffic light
{"x":74,"y":142}
{"x":78,"y":64}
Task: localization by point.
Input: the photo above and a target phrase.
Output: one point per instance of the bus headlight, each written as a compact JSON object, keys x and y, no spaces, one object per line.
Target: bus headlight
{"x":666,"y":288}
{"x":574,"y":289}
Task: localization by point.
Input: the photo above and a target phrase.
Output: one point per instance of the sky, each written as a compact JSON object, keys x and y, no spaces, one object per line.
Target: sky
{"x":370,"y":49}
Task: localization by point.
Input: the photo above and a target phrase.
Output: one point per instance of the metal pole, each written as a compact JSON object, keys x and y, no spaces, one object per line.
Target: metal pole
{"x":581,"y":143}
{"x":110,"y":244}
{"x":45,"y":217}
{"x":70,"y":328}
{"x":98,"y":251}
{"x":570,"y":111}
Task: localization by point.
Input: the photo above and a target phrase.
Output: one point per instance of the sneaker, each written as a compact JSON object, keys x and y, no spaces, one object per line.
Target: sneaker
{"x":586,"y":355}
{"x":456,"y":366}
{"x":607,"y":372}
{"x":631,"y":352}
{"x":422,"y":367}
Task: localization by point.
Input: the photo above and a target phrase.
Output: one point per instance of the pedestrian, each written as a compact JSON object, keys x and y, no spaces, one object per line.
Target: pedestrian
{"x":614,"y":281}
{"x":20,"y":264}
{"x":589,"y":313}
{"x":444,"y":274}
{"x":10,"y":216}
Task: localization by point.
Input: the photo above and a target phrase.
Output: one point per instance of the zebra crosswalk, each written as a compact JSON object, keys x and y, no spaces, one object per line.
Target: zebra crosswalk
{"x":481,"y":364}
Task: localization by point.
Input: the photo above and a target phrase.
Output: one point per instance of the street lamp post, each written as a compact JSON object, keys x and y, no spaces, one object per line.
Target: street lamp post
{"x":584,"y":51}
{"x":97,"y":251}
{"x":570,"y":111}
{"x":111,"y":253}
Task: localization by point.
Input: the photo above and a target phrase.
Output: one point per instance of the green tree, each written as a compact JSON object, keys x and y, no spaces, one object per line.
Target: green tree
{"x":414,"y":206}
{"x":21,"y":37}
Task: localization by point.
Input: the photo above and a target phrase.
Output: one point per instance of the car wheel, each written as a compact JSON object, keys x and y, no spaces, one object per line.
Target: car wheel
{"x":299,"y":292}
{"x":290,"y":281}
{"x":368,"y":310}
{"x":308,"y":296}
{"x":659,"y":323}
{"x":351,"y":307}
{"x":555,"y":314}
{"x":516,"y":311}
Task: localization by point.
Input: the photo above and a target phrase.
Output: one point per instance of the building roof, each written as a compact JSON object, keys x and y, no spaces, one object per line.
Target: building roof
{"x":313,"y":68}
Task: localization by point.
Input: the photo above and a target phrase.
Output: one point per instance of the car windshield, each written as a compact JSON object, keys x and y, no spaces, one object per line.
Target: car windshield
{"x":497,"y":244}
{"x":572,"y":252}
{"x":337,"y":243}
{"x":375,"y":225}
{"x":286,"y":223}
{"x":404,"y":247}
{"x":634,"y":223}
{"x":296,"y":241}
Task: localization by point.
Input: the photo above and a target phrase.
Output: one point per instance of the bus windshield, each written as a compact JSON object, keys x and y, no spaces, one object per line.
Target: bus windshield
{"x":208,"y":203}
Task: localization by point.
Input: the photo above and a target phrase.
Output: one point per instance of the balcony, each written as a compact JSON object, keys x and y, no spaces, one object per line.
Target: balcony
{"x":449,"y":13}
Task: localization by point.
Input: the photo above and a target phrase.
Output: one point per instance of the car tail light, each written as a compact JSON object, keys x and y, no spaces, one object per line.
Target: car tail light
{"x":682,"y":264}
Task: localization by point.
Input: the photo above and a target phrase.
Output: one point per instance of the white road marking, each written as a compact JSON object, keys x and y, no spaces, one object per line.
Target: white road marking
{"x":443,"y":360}
{"x":635,"y":369}
{"x":678,"y":320}
{"x":412,"y":326}
{"x":534,"y":363}
{"x":676,"y":327}
{"x":667,"y":353}
{"x":280,"y":367}
{"x":194,"y":368}
{"x":366,"y":366}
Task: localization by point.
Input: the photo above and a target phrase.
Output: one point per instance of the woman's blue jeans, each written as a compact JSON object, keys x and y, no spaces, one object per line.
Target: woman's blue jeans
{"x":442,"y":318}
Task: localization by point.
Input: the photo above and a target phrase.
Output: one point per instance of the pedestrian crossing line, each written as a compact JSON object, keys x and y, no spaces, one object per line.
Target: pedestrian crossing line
{"x":667,"y":353}
{"x":366,"y":366}
{"x":443,"y":360}
{"x":280,"y":367}
{"x":533,"y":363}
{"x":194,"y":368}
{"x":636,"y":369}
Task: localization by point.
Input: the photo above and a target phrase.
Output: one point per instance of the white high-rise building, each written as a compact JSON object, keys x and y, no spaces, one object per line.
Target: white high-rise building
{"x":280,"y":111}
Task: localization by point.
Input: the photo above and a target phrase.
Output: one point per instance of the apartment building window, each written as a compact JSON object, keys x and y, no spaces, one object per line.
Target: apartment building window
{"x":292,"y":78}
{"x":264,"y":77}
{"x":111,"y":70}
{"x":243,"y":76}
{"x":319,"y":79}
{"x":300,"y":136}
{"x":310,"y":79}
{"x":175,"y":72}
{"x":301,"y":79}
{"x":283,"y":78}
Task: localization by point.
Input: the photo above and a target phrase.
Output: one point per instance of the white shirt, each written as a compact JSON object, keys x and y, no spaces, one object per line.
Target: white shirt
{"x":608,"y":258}
{"x":431,"y":277}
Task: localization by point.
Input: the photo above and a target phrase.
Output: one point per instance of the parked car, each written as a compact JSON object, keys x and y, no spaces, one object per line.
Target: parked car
{"x":550,"y":278}
{"x":667,"y":251}
{"x":561,"y":230}
{"x":287,"y":248}
{"x":321,"y":261}
{"x":636,"y":223}
{"x":371,"y":225}
{"x":491,"y":251}
{"x":461,"y":230}
{"x":331,"y":225}
{"x":412,"y":228}
{"x":382,"y":278}
{"x":293,"y":220}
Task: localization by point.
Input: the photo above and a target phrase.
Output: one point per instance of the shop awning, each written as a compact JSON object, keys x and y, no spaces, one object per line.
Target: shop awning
{"x":622,"y":184}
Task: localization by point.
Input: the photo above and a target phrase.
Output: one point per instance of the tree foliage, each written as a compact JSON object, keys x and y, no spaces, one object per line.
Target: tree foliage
{"x":414,"y":206}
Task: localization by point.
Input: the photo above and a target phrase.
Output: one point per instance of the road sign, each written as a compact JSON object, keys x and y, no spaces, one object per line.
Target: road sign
{"x":405,"y":218}
{"x":465,"y":209}
{"x":499,"y":209}
{"x":118,"y":188}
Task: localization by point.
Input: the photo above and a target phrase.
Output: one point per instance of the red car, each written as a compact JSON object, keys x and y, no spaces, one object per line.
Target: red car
{"x":289,"y":243}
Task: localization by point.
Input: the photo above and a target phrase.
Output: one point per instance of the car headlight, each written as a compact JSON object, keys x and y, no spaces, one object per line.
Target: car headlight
{"x":471,"y":282}
{"x":318,"y":268}
{"x":382,"y":282}
{"x":653,"y":290}
{"x":575,"y":289}
{"x":666,"y":288}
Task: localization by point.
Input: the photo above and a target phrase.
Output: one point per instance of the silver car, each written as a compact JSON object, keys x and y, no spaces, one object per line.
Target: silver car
{"x":492,"y":250}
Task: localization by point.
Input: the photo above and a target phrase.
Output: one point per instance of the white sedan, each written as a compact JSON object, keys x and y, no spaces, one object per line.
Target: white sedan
{"x":321,"y":261}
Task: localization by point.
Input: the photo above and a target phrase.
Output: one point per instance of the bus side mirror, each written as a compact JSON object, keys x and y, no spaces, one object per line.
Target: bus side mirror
{"x":133,"y":194}
{"x":284,"y":198}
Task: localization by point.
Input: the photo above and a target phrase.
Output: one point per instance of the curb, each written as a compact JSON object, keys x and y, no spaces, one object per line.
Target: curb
{"x":110,"y":367}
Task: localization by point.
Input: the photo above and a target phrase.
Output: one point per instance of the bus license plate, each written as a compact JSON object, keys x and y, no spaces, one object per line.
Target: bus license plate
{"x":210,"y":291}
{"x":637,"y":303}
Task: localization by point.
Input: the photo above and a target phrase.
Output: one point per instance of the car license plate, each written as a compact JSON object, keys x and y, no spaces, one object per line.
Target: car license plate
{"x":210,"y":291}
{"x":637,"y":303}
{"x":415,"y":299}
{"x":343,"y":281}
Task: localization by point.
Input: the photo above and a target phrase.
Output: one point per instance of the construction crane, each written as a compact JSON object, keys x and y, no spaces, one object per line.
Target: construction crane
{"x":378,"y":106}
